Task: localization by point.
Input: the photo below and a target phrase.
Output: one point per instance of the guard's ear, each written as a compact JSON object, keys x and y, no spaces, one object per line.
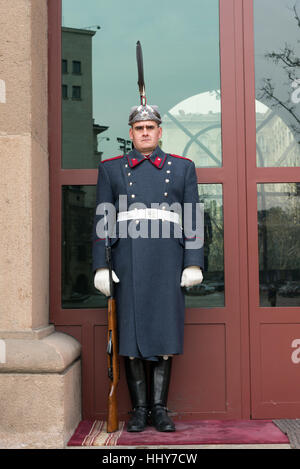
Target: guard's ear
{"x":131,"y":133}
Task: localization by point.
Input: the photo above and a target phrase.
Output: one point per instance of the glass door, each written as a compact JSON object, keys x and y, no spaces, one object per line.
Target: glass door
{"x":273,"y":178}
{"x":190,"y":63}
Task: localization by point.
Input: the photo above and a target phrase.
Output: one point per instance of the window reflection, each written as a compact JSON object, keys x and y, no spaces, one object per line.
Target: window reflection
{"x":79,"y":130}
{"x":279,"y":244}
{"x":78,"y":207}
{"x":99,"y":73}
{"x":193,"y":127}
{"x":211,"y":292}
{"x":277,"y":60}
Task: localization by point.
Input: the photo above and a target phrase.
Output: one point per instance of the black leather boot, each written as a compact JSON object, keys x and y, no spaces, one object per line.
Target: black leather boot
{"x":137,"y":385}
{"x":160,"y":379}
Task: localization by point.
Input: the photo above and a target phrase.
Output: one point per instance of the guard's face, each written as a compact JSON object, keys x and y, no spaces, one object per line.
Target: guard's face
{"x":145,"y":135}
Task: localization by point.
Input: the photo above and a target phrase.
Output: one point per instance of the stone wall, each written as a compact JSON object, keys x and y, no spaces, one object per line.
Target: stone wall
{"x":39,"y":368}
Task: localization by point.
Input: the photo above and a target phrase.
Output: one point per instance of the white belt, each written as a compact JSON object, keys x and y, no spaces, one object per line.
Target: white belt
{"x":149,"y":214}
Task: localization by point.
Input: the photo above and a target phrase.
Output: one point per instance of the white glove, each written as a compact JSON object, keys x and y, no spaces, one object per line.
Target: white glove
{"x":191,"y":276}
{"x":101,"y":280}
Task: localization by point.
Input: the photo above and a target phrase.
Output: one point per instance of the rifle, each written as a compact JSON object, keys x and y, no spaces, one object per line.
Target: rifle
{"x":112,"y":348}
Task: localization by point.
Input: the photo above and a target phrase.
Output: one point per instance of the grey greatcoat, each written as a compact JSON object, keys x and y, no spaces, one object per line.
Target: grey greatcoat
{"x":150,"y":301}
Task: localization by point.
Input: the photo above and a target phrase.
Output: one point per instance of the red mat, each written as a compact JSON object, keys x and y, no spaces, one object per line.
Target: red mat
{"x":200,"y":432}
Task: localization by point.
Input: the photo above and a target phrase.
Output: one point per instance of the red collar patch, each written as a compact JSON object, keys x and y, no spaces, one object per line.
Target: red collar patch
{"x":157,"y":160}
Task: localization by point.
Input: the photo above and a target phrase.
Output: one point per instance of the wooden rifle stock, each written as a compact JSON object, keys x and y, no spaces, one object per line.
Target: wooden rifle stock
{"x":112,"y":348}
{"x":113,"y":367}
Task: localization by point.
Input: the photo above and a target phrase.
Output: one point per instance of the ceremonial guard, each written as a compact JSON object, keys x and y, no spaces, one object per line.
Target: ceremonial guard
{"x":157,"y":250}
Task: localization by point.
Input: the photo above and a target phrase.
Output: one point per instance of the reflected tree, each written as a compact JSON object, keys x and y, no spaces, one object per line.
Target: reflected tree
{"x":290,"y":63}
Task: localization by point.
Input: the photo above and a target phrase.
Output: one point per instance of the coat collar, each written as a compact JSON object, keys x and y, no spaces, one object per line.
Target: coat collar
{"x":157,"y":158}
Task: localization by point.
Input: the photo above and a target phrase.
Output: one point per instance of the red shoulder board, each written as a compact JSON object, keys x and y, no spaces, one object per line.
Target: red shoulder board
{"x":114,"y":158}
{"x":183,"y":157}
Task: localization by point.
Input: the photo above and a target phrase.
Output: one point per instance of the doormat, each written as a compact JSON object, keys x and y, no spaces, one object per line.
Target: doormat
{"x":196,"y":432}
{"x":291,"y":427}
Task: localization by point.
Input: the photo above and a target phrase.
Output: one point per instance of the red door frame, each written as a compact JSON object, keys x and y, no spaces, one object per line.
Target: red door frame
{"x":233,"y":318}
{"x":264,"y":319}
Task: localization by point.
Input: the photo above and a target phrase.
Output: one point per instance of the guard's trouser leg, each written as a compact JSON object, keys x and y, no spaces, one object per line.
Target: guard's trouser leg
{"x":137,"y":386}
{"x":160,"y":380}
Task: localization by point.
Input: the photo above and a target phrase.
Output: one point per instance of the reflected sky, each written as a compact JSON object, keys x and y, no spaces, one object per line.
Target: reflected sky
{"x":180,"y":46}
{"x":203,"y":103}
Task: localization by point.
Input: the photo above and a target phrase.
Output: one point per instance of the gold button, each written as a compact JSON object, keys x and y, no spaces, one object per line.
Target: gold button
{"x":168,"y":171}
{"x":169,"y":162}
{"x":165,"y":194}
{"x":167,"y":180}
{"x":129,"y":174}
{"x":126,"y":165}
{"x":130,"y":183}
{"x":132,"y":196}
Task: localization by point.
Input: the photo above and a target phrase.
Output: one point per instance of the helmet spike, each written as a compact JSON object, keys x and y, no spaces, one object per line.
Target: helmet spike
{"x":144,"y":111}
{"x":140,"y":67}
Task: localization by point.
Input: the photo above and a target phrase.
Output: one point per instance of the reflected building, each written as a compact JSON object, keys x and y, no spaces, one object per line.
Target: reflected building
{"x":193,"y":128}
{"x":79,"y":150}
{"x":80,"y":132}
{"x":276,"y":144}
{"x":278,"y":212}
{"x":78,"y":208}
{"x":279,"y":241}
